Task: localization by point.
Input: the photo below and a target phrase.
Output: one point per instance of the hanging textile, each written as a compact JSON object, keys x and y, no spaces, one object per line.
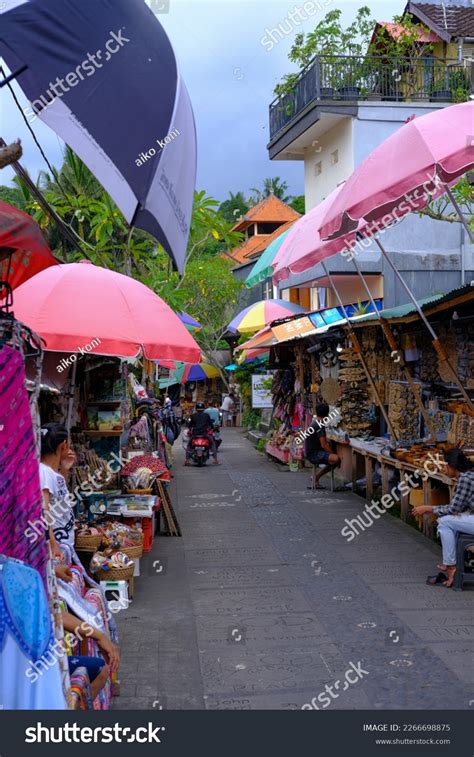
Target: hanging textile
{"x":30,"y":676}
{"x":20,"y":496}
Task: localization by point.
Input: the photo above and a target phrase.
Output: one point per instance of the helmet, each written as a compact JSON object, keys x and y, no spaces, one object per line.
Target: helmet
{"x":200,"y":406}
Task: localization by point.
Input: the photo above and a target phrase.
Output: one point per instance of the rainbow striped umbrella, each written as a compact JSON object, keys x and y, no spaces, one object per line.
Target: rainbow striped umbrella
{"x":256,"y":316}
{"x":184,"y":372}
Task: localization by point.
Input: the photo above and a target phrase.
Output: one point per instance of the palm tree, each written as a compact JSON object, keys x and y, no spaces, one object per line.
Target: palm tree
{"x":271,"y":186}
{"x":234,"y":207}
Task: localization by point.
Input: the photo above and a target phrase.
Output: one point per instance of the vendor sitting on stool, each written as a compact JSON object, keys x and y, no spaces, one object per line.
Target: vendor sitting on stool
{"x":317,"y":449}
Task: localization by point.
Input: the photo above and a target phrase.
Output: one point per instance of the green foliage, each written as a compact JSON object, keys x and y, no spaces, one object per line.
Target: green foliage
{"x":251,"y":418}
{"x":442,"y":210}
{"x":271,"y":186}
{"x":360,"y":39}
{"x":12,"y":195}
{"x":260,"y":446}
{"x":298,"y":204}
{"x":235,"y":207}
{"x":331,"y":39}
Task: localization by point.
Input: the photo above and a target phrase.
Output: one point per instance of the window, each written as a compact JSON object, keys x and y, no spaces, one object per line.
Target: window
{"x":268,"y":290}
{"x":251,"y":231}
{"x":267,"y":228}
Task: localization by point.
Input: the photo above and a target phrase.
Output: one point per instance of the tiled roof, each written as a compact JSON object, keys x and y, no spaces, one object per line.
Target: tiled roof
{"x":269,"y":210}
{"x":252,"y":248}
{"x":396,"y":29}
{"x":456,"y":18}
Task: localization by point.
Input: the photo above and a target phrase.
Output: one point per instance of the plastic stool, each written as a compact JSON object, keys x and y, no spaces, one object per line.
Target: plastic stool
{"x":313,"y":477}
{"x":463,"y":542}
{"x":116,"y":594}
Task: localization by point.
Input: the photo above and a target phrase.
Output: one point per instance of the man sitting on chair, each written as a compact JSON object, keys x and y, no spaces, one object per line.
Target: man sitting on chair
{"x":317,"y":449}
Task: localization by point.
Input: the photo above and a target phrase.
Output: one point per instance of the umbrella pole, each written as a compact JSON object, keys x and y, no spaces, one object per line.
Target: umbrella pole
{"x":358,"y":350}
{"x":440,"y":351}
{"x":392,"y":342}
{"x":458,"y":210}
{"x":71,"y":398}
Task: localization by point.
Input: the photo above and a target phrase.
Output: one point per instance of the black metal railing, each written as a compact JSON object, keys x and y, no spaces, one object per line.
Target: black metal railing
{"x":350,"y":79}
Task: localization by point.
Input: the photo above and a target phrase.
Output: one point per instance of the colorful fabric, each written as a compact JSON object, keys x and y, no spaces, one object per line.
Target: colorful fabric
{"x":81,"y":690}
{"x":24,"y":611}
{"x":20,"y":495}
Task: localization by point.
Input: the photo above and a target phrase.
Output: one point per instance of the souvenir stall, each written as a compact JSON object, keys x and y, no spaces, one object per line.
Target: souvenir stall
{"x":118,"y":477}
{"x":427,"y":413}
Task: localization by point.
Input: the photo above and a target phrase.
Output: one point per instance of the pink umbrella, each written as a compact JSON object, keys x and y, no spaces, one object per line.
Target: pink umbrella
{"x":303,"y":248}
{"x":428,"y":154}
{"x":82,"y":308}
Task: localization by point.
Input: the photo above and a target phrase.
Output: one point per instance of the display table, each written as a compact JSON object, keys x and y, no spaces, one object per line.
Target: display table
{"x":371,"y":452}
{"x":283,"y":455}
{"x":132,"y":507}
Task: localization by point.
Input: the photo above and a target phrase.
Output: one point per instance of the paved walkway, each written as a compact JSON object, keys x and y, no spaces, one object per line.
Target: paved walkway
{"x":263,"y":602}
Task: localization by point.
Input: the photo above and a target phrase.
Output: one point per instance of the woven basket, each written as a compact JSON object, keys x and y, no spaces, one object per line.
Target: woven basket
{"x":116,"y":574}
{"x":88,"y":543}
{"x":133,"y":552}
{"x":141,"y":492}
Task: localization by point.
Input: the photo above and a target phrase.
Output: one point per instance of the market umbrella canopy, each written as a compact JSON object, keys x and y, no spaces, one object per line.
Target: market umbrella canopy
{"x":23,"y":251}
{"x":421,"y":158}
{"x":303,"y":247}
{"x":183,"y":372}
{"x":75,"y":305}
{"x":263,"y":267}
{"x":123,"y":109}
{"x":256,"y":316}
{"x":190,"y":323}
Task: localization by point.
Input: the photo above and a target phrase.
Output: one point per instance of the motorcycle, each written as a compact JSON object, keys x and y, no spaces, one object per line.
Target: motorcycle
{"x":200,"y":448}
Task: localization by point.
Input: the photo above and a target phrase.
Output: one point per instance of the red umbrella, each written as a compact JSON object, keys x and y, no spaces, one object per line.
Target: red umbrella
{"x":82,"y":308}
{"x":426,"y":155}
{"x":23,"y":251}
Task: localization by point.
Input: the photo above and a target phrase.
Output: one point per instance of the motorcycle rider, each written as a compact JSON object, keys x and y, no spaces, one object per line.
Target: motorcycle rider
{"x":201,"y":424}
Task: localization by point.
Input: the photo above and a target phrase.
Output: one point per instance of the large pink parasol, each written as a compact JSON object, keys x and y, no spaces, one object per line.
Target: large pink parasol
{"x":76,"y":305}
{"x":424,"y":157}
{"x":303,"y":248}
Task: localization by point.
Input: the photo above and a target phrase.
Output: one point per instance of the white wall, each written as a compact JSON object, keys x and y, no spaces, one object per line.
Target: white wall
{"x":339,"y":138}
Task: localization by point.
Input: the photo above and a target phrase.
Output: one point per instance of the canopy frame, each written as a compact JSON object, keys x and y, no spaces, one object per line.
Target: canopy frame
{"x":393,"y":344}
{"x":438,"y":347}
{"x":358,"y":350}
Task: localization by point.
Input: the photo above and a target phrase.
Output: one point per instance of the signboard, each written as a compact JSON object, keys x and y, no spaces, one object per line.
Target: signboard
{"x":297,"y":328}
{"x":261,"y":397}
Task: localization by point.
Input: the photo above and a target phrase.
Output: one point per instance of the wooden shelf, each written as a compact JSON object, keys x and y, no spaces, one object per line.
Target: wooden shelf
{"x":93,"y":432}
{"x":104,"y":403}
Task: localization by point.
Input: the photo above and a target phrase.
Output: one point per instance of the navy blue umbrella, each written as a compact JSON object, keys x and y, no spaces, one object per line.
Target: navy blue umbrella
{"x":103,"y":75}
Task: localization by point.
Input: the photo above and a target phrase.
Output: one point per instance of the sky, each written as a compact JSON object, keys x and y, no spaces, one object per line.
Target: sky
{"x":230,"y":72}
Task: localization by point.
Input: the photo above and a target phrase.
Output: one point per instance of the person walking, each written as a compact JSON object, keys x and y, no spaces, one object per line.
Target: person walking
{"x":226,"y":408}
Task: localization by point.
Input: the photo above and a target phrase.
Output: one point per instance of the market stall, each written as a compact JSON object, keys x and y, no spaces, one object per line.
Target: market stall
{"x":323,"y":366}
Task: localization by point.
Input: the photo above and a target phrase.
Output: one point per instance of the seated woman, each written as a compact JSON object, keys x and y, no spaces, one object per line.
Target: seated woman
{"x":458,"y":516}
{"x":84,"y":606}
{"x":89,"y":675}
{"x":317,"y":449}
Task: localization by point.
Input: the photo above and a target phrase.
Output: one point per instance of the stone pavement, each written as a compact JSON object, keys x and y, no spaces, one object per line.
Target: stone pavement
{"x":262,"y":602}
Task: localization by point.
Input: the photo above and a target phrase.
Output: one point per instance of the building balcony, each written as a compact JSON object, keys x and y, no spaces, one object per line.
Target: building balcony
{"x":337,"y":83}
